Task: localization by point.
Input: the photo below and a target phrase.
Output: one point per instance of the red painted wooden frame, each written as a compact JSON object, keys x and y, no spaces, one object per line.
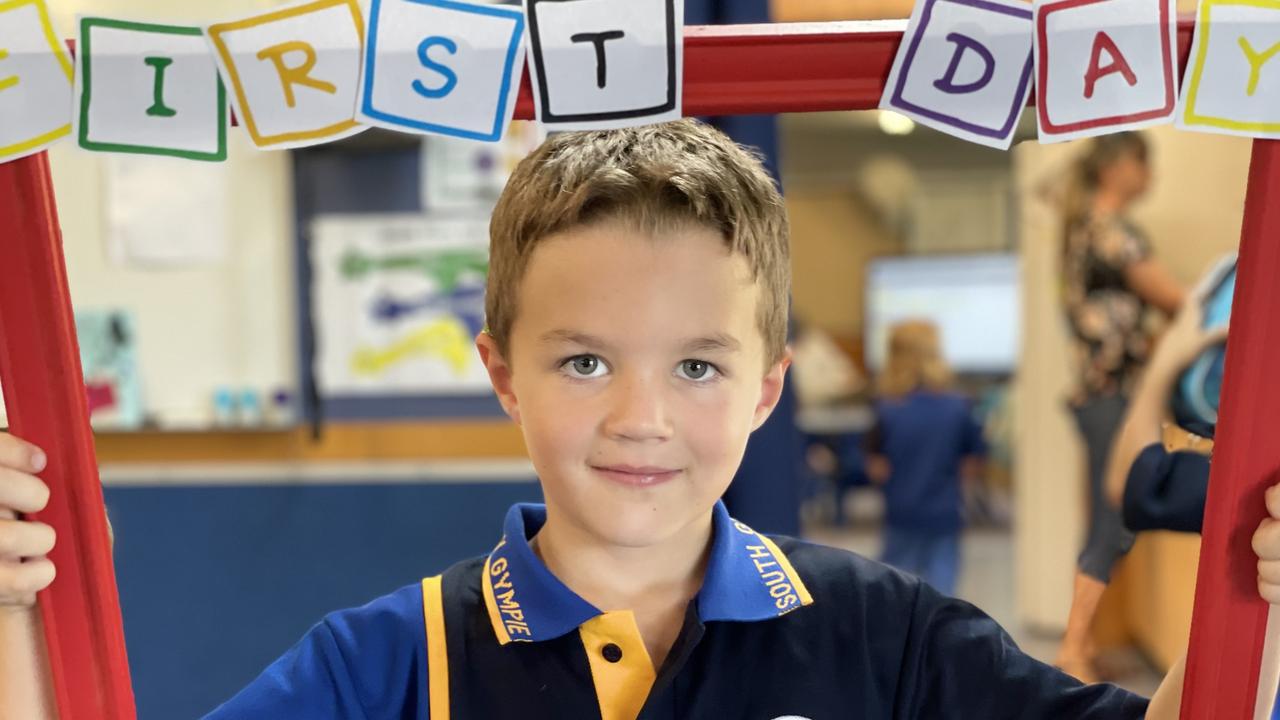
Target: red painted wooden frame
{"x":728,"y":70}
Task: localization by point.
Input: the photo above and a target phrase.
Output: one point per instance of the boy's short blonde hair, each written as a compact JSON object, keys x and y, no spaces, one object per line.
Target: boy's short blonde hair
{"x":656,"y":178}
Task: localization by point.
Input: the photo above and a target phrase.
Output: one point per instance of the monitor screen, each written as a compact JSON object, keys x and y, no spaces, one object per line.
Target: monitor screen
{"x":973,"y":299}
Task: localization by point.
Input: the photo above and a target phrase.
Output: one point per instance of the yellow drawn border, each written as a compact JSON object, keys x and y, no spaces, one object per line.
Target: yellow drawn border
{"x":215,"y":33}
{"x":1190,"y":116}
{"x":59,"y":51}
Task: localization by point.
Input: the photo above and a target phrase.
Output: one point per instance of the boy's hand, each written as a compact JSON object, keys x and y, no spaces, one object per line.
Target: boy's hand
{"x":24,"y":569}
{"x":1266,"y":543}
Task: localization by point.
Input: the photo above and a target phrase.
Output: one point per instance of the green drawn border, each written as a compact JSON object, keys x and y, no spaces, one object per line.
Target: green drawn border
{"x":84,"y":52}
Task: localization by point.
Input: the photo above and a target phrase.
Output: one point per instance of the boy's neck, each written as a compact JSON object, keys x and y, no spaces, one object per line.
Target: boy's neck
{"x":613,"y":577}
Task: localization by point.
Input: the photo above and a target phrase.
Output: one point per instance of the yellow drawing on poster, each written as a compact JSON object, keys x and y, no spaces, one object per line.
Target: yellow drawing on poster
{"x":11,"y":80}
{"x":445,"y":338}
{"x":293,"y":61}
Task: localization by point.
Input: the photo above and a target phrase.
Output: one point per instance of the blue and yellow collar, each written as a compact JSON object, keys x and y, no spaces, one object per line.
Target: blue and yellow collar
{"x":748,"y":578}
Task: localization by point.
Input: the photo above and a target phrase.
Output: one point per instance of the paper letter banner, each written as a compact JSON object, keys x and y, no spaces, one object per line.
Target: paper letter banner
{"x":964,"y":68}
{"x":606,"y":63}
{"x":1103,"y":66}
{"x":438,"y":66}
{"x":294,"y":72}
{"x":1232,"y":84}
{"x":35,"y":80}
{"x":146,"y":88}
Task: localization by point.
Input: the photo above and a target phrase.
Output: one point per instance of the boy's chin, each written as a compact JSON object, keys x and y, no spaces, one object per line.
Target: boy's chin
{"x":633,"y":535}
{"x":645,"y":526}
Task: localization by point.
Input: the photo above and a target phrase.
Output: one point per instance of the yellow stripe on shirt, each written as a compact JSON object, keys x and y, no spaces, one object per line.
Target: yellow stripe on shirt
{"x":792,"y":575}
{"x":491,"y":603}
{"x":437,"y":650}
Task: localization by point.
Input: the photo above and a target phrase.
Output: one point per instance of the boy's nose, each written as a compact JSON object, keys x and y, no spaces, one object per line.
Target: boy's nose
{"x":637,"y":412}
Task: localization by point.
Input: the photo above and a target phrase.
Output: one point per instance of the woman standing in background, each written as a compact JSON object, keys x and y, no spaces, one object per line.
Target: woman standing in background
{"x":1109,"y":281}
{"x":924,"y":445}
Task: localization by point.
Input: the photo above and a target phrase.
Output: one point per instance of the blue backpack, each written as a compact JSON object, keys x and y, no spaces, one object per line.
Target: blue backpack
{"x":1195,"y":403}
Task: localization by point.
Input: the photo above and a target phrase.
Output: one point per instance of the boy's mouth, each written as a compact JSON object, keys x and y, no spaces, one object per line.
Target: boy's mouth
{"x":636,"y":475}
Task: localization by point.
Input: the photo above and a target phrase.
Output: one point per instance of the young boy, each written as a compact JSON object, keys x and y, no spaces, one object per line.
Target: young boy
{"x":636,"y":309}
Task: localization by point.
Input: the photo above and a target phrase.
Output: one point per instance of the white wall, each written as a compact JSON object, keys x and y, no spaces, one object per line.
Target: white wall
{"x":226,"y":324}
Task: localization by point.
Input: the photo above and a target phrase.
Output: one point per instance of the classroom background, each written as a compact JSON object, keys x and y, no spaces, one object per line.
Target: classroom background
{"x":270,"y":453}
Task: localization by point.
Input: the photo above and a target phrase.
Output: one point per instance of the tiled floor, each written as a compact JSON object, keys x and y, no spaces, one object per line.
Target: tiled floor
{"x":986,"y":580}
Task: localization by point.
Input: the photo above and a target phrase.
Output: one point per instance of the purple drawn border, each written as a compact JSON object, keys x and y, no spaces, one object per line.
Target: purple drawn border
{"x":898,"y":100}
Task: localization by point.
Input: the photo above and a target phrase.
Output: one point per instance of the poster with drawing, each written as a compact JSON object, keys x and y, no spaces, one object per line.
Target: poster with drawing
{"x":109,"y":358}
{"x":397,"y":301}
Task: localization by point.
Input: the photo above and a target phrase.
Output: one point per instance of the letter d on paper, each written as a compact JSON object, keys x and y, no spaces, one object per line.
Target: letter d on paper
{"x":947,"y":83}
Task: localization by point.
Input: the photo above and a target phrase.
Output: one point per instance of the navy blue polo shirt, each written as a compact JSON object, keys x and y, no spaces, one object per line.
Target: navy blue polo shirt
{"x":925,"y":435}
{"x":780,"y":629}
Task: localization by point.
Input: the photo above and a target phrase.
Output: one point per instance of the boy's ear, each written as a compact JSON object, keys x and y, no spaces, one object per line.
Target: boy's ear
{"x":499,"y":374}
{"x":771,"y":389}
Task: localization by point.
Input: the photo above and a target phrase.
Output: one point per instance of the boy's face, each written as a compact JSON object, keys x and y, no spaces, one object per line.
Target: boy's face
{"x":637,"y":373}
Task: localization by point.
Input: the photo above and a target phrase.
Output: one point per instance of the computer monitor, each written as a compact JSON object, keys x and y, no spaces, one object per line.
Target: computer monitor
{"x":973,"y":299}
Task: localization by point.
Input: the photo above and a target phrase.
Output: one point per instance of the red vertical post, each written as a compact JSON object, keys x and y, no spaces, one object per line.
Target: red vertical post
{"x":1229,"y":625}
{"x":45,"y":398}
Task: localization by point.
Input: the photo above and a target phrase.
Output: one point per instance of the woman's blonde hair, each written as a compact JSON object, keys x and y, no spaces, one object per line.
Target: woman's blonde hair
{"x":914,"y":360}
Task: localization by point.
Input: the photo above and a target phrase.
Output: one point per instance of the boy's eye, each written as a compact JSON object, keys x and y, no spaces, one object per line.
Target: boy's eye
{"x":697,"y":370}
{"x":583,"y":366}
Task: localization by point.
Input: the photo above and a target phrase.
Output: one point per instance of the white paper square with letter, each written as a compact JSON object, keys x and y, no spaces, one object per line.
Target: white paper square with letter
{"x":440,"y":66}
{"x":35,"y":80}
{"x":606,"y":63}
{"x":149,"y":88}
{"x":964,"y":67}
{"x":1103,"y":66}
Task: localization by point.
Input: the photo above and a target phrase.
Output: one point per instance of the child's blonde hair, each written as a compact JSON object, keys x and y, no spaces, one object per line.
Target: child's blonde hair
{"x":655,"y":178}
{"x":914,"y":360}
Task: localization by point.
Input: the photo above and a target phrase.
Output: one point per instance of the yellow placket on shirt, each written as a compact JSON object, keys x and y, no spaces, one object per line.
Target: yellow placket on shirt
{"x":622,"y":686}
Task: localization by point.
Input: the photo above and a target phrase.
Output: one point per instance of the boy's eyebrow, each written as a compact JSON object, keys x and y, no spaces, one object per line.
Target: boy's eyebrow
{"x":556,"y":337}
{"x":718,"y":342}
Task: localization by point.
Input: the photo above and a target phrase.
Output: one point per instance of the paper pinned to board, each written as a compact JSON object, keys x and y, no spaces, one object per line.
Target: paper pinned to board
{"x":164,"y":212}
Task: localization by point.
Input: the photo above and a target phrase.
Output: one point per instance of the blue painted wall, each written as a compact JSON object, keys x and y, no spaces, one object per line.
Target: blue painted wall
{"x":217,"y":581}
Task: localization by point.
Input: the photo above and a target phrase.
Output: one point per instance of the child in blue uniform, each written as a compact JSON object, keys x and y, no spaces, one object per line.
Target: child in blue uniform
{"x":924,"y":445}
{"x":636,"y":332}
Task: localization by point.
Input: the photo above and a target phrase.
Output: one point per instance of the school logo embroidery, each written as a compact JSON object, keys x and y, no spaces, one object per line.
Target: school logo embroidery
{"x":783,"y":593}
{"x":504,"y":596}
